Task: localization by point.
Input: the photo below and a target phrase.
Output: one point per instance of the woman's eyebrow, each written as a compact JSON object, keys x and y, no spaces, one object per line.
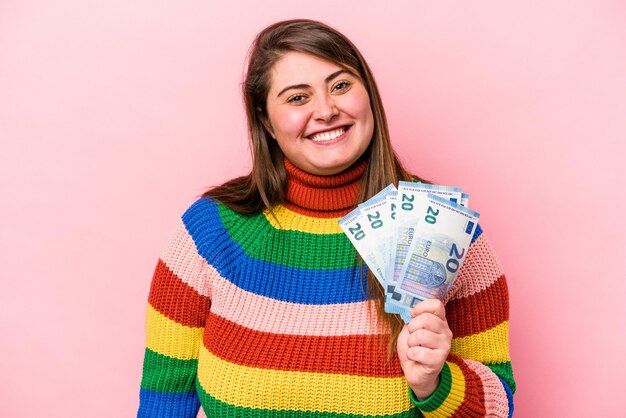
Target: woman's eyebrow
{"x":304,"y":86}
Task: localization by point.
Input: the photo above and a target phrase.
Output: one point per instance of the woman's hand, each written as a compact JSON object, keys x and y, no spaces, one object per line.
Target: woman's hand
{"x":423,"y":346}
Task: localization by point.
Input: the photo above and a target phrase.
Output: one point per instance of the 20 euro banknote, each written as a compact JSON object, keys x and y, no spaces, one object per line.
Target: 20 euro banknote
{"x":442,"y":238}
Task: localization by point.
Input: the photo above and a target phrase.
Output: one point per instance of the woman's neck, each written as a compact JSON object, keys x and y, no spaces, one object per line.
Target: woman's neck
{"x":323,"y":196}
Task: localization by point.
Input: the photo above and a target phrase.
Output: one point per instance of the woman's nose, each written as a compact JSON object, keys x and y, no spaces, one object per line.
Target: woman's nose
{"x":325,"y":108}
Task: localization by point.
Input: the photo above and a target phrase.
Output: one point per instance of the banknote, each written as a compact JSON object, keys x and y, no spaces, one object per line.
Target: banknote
{"x":435,"y":256}
{"x":409,"y":204}
{"x":378,"y":227}
{"x":355,"y":227}
{"x":465,"y":200}
{"x":407,"y":214}
{"x":405,"y":246}
{"x":391,"y":199}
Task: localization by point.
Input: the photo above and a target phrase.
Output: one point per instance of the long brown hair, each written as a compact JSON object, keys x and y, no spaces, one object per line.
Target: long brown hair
{"x":265,"y":186}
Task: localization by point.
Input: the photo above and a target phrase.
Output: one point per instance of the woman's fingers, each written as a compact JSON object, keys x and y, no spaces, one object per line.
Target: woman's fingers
{"x":423,"y":346}
{"x":428,"y":339}
{"x":429,"y":328}
{"x":428,"y":321}
{"x":432,"y":306}
{"x":429,"y":359}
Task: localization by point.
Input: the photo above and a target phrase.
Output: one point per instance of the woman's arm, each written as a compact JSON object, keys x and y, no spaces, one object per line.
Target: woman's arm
{"x":177,"y":307}
{"x":476,"y":378}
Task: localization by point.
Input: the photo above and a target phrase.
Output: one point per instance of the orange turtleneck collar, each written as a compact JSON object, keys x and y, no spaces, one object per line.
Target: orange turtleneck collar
{"x":323,"y":196}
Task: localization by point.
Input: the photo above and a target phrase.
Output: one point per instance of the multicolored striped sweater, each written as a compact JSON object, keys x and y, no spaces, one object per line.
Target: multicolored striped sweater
{"x":268,"y":316}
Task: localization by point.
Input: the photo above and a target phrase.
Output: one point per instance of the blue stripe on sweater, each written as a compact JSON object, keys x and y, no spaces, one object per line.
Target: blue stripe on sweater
{"x":163,"y":404}
{"x":289,"y":284}
{"x":509,"y":395}
{"x":317,"y":287}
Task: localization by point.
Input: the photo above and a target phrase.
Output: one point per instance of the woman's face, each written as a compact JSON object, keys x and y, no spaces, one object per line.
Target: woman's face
{"x":319,"y":113}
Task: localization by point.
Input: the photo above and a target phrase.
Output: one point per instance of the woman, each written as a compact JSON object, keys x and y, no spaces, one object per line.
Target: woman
{"x":259,"y":305}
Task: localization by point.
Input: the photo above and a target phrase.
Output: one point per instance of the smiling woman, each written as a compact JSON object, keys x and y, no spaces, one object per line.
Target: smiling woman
{"x":319,"y":113}
{"x":260,"y":305}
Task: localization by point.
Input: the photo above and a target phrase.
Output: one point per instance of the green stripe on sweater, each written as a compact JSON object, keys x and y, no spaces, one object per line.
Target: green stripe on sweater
{"x":440,"y":394}
{"x":288,"y":248}
{"x":505,"y":372}
{"x":165,"y":374}
{"x":214,"y":407}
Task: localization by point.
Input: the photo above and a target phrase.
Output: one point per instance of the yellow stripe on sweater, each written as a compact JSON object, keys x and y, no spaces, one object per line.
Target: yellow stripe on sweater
{"x":289,"y":220}
{"x":491,"y":346}
{"x":257,"y":388}
{"x":455,"y":397}
{"x":170,"y":338}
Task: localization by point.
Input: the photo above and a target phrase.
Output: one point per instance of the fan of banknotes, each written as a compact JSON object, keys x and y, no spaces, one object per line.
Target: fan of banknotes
{"x":414,"y":239}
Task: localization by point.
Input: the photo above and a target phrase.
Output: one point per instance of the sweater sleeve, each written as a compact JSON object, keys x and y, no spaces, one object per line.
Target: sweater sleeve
{"x":177,"y":306}
{"x":477,"y":378}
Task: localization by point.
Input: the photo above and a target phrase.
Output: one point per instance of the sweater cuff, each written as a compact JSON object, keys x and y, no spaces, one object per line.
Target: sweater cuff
{"x":448,"y":395}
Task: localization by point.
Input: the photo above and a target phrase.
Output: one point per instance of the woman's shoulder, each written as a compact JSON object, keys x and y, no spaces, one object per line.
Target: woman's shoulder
{"x":203,"y":211}
{"x":219,"y":233}
{"x":207,"y":210}
{"x":208,"y":216}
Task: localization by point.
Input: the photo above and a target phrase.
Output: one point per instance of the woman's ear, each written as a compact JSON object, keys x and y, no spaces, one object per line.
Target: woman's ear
{"x":265,"y":121}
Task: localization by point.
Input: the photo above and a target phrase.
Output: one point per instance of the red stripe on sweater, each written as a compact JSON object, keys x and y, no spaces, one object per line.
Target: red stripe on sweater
{"x":473,"y":404}
{"x":175,"y":299}
{"x":317,"y":213}
{"x":353,"y":355}
{"x":480,"y":311}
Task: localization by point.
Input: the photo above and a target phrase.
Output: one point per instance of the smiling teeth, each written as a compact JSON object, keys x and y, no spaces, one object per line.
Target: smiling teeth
{"x":327,"y":136}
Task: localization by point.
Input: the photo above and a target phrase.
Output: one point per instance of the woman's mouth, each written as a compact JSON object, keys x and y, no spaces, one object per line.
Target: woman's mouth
{"x":328,"y":136}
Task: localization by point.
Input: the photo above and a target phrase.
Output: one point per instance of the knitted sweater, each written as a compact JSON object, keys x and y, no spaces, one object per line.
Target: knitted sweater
{"x":268,"y":316}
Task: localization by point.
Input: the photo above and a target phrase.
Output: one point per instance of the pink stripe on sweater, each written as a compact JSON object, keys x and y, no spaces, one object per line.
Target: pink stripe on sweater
{"x":480,"y":270}
{"x":496,"y":402}
{"x":182,"y":258}
{"x":281,"y":317}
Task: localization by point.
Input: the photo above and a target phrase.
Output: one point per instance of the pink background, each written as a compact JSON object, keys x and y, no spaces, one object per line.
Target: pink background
{"x":115,"y":115}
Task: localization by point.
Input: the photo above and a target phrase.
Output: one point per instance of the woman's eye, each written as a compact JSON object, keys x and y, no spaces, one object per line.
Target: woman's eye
{"x":297,"y":99}
{"x":342,"y":86}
